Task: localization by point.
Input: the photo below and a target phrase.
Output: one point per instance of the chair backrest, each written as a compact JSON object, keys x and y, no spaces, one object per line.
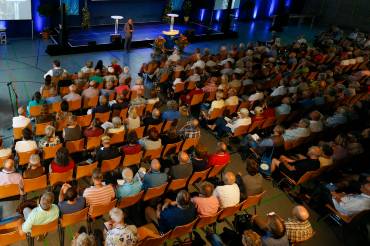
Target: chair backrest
{"x":269,"y":122}
{"x":240,"y":131}
{"x":18,"y":133}
{"x":182,"y":230}
{"x":133,"y":159}
{"x":58,"y":178}
{"x":215,"y":113}
{"x":255,"y":125}
{"x":74,"y":218}
{"x":55,"y":107}
{"x":131,"y":200}
{"x":11,"y":235}
{"x":167,"y":126}
{"x":36,"y":110}
{"x":155,"y":192}
{"x":24,"y":157}
{"x":84,"y":120}
{"x":307,"y":176}
{"x":139,"y":131}
{"x":51,"y":151}
{"x":34,"y":184}
{"x":74,"y":105}
{"x":40,"y":128}
{"x":90,"y":102}
{"x":179,"y":87}
{"x":158,"y":127}
{"x":188,"y":143}
{"x":149,"y":107}
{"x":75,"y":146}
{"x":204,"y":221}
{"x":85,"y":170}
{"x":152,"y":241}
{"x":123,"y":113}
{"x":102,"y":117}
{"x":140,"y":109}
{"x":230,"y":109}
{"x":63,"y":90}
{"x":177,"y":184}
{"x":117,"y":138}
{"x":38,"y":230}
{"x":216,"y":170}
{"x":196,"y":99}
{"x":10,"y":190}
{"x":110,"y":165}
{"x":153,"y":153}
{"x":60,"y":125}
{"x":210,"y":96}
{"x":170,"y":146}
{"x":229,"y":211}
{"x":253,"y":200}
{"x":99,"y":210}
{"x":93,"y":143}
{"x":199,"y":176}
{"x":3,"y":159}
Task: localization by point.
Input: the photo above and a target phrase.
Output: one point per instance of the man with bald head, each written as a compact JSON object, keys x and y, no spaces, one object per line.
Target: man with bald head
{"x":221,"y":157}
{"x":182,"y":170}
{"x":228,"y":194}
{"x":21,"y":121}
{"x":298,"y":228}
{"x":154,"y":119}
{"x":154,"y":177}
{"x":190,"y":129}
{"x":8,"y":175}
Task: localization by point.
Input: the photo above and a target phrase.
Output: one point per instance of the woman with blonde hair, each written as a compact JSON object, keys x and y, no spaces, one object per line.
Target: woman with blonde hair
{"x":117,"y":125}
{"x":133,"y":119}
{"x":49,"y":139}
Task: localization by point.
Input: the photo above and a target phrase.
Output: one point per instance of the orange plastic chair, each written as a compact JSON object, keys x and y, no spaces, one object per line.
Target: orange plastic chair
{"x":123,"y":113}
{"x":153,"y":153}
{"x":24,"y":157}
{"x":167,"y":126}
{"x":216,"y":170}
{"x":158,"y":127}
{"x":90,"y":102}
{"x":179,"y":87}
{"x":177,"y":184}
{"x":63,"y":90}
{"x":255,"y":125}
{"x":4,"y":158}
{"x":240,"y":131}
{"x":85,"y":170}
{"x":155,"y":192}
{"x":197,"y":99}
{"x":117,"y":138}
{"x":110,"y":165}
{"x":215,"y":113}
{"x":170,"y":146}
{"x":149,"y":107}
{"x":59,"y":178}
{"x":229,"y":211}
{"x":35,"y":184}
{"x":71,"y":219}
{"x":253,"y":201}
{"x":40,"y":128}
{"x":84,"y":120}
{"x":179,"y":231}
{"x":140,"y":109}
{"x":55,"y":107}
{"x":99,"y":210}
{"x":60,"y":125}
{"x":130,"y":201}
{"x":36,"y":110}
{"x":10,"y":190}
{"x":50,"y":151}
{"x":38,"y":230}
{"x":139,"y":131}
{"x":209,"y":220}
{"x":199,"y":176}
{"x":75,"y":146}
{"x":102,"y":117}
{"x":17,"y":133}
{"x":93,"y":143}
{"x":10,"y":233}
{"x":74,"y":105}
{"x":151,"y":241}
{"x":188,"y":143}
{"x":133,"y":159}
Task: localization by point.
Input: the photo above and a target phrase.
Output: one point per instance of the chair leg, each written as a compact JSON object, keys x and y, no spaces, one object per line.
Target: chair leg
{"x":89,"y":225}
{"x":61,"y":236}
{"x":255,"y":210}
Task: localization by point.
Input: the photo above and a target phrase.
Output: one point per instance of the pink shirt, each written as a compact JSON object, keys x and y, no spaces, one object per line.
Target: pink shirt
{"x":206,"y":206}
{"x":9,"y":177}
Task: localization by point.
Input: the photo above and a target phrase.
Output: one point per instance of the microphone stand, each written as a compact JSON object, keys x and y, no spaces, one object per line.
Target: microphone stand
{"x":10,"y":90}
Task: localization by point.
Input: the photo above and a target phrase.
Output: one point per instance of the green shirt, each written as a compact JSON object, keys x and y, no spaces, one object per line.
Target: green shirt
{"x":97,"y":79}
{"x":38,"y":216}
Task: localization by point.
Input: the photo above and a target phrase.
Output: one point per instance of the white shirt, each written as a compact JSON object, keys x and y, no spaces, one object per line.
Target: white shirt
{"x":201,"y":64}
{"x":227,"y":195}
{"x":194,"y":77}
{"x":50,"y":72}
{"x":293,"y":134}
{"x":352,"y":204}
{"x":280,"y":91}
{"x":20,"y":121}
{"x":239,"y":122}
{"x":256,"y":97}
{"x":316,"y":126}
{"x":25,"y":146}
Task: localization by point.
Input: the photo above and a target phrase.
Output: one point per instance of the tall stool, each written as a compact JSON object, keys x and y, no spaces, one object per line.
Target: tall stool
{"x":3,"y":36}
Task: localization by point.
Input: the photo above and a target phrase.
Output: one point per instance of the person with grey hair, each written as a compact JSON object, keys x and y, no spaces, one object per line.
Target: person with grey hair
{"x":49,"y":139}
{"x":128,"y":186}
{"x":183,"y":169}
{"x":118,"y":233}
{"x":296,"y":168}
{"x":228,"y":126}
{"x":154,"y":118}
{"x":8,"y":175}
{"x":172,"y":113}
{"x":117,"y":125}
{"x":228,"y":194}
{"x":34,"y":169}
{"x":301,"y":131}
{"x":43,"y":214}
{"x":21,"y":121}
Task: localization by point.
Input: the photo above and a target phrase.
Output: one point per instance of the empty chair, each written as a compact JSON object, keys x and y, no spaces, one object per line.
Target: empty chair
{"x":71,"y":219}
{"x":85,"y":170}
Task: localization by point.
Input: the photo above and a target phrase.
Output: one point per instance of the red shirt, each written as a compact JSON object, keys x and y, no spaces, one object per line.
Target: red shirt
{"x":117,"y":68}
{"x":258,"y":118}
{"x":269,"y":113}
{"x":55,"y":168}
{"x":218,"y":159}
{"x":121,"y":88}
{"x":130,"y":150}
{"x":90,"y":132}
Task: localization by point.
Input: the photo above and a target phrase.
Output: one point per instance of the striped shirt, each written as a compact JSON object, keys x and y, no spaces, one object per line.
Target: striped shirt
{"x":99,"y":196}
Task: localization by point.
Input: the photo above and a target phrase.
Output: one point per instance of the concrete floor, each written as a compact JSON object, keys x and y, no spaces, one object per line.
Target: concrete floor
{"x":24,"y":62}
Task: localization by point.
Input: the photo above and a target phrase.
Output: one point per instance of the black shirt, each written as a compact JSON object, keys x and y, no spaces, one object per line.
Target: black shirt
{"x":301,"y":167}
{"x":199,"y":165}
{"x":151,"y":121}
{"x":106,"y":154}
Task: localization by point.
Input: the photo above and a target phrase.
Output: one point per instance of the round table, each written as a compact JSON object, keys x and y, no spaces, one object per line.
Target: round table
{"x":172,"y":32}
{"x":116,"y":18}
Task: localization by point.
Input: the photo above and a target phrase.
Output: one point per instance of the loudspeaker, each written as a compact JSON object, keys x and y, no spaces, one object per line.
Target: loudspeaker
{"x":115,"y":38}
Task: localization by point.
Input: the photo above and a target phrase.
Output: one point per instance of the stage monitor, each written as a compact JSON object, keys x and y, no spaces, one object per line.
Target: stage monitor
{"x":222,"y":4}
{"x":15,"y":10}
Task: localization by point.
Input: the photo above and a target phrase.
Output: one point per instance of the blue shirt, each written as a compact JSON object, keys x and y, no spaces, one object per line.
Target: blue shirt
{"x":174,"y":216}
{"x":154,"y":179}
{"x":282,"y":109}
{"x":34,"y":103}
{"x":51,"y":100}
{"x":171,"y":115}
{"x":129,"y":189}
{"x":66,"y":208}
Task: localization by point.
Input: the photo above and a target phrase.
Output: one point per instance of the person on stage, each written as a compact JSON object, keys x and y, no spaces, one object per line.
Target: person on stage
{"x":128,"y":30}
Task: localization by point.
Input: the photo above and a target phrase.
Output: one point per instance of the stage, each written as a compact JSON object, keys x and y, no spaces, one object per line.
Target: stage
{"x":97,"y":38}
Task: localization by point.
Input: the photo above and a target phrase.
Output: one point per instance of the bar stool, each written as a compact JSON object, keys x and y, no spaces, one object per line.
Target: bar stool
{"x":3,"y":39}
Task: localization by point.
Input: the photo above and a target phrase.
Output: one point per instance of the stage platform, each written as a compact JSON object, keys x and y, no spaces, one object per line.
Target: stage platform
{"x":97,"y":38}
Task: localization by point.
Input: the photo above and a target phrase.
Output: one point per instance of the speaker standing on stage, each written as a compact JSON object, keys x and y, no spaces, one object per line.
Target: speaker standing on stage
{"x":128,"y":29}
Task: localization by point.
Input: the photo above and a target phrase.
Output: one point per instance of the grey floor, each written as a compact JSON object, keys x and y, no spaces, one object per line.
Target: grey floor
{"x":24,"y":61}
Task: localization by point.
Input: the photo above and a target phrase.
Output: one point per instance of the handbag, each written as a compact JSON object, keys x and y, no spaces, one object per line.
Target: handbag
{"x":265,"y":163}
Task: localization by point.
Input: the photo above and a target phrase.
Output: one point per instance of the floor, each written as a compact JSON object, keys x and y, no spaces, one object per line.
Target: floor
{"x":23,"y":61}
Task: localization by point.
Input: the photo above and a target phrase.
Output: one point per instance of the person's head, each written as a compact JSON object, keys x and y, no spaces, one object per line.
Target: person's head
{"x":275,"y":225}
{"x":341,"y":140}
{"x":278,"y":130}
{"x":97,"y":176}
{"x":314,"y":152}
{"x":72,"y":88}
{"x":243,"y":112}
{"x":89,"y":64}
{"x":47,"y":80}
{"x":103,"y":100}
{"x":109,"y":84}
{"x":326,"y":150}
{"x":183,"y":157}
{"x":64,"y":106}
{"x":155,"y":165}
{"x":285,"y":100}
{"x":229,"y":178}
{"x":127,"y":175}
{"x":132,"y":137}
{"x":301,"y":213}
{"x":49,"y":131}
{"x":251,"y":238}
{"x":195,"y":123}
{"x":365,"y":188}
{"x":252,"y":167}
{"x":130,"y":21}
{"x":258,"y":110}
{"x":27,"y":134}
{"x":116,"y":121}
{"x":219,"y":95}
{"x":71,"y":194}
{"x":206,"y":189}
{"x":105,"y":141}
{"x":22,"y":111}
{"x":156,"y":113}
{"x":9,"y":165}
{"x":92,"y":84}
{"x":139,"y":81}
{"x":183,"y":199}
{"x":222,"y":147}
{"x":46,"y":200}
{"x":315,"y":115}
{"x":116,"y":215}
{"x":132,"y":113}
{"x":72,"y":120}
{"x":304,"y":123}
{"x":62,"y":157}
{"x":153,"y":134}
{"x":34,"y":161}
{"x":37,"y":96}
{"x":56,"y":63}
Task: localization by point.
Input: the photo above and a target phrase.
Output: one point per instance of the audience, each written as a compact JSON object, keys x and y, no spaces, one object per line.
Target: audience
{"x":106,"y":152}
{"x":206,"y":203}
{"x":69,"y":200}
{"x":27,"y":144}
{"x":21,"y":121}
{"x":154,"y":177}
{"x":8,"y":175}
{"x":62,"y":161}
{"x":130,"y":185}
{"x":228,"y":194}
{"x":118,"y":232}
{"x":183,"y":169}
{"x":99,"y":193}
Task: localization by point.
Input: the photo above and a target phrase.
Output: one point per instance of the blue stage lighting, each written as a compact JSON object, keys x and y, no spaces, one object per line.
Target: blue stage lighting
{"x":272,"y":7}
{"x":256,"y":7}
{"x":2,"y":24}
{"x":202,"y":12}
{"x":218,"y":15}
{"x":287,"y":3}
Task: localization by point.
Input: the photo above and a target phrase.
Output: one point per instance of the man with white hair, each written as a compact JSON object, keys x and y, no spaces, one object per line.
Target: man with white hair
{"x":338,"y":118}
{"x":298,"y":228}
{"x":91,"y":91}
{"x":8,"y":175}
{"x":199,"y":63}
{"x":72,"y":95}
{"x":226,"y":126}
{"x":21,"y":121}
{"x":301,"y":131}
{"x":228,"y":194}
{"x":182,"y":170}
{"x":129,"y":186}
